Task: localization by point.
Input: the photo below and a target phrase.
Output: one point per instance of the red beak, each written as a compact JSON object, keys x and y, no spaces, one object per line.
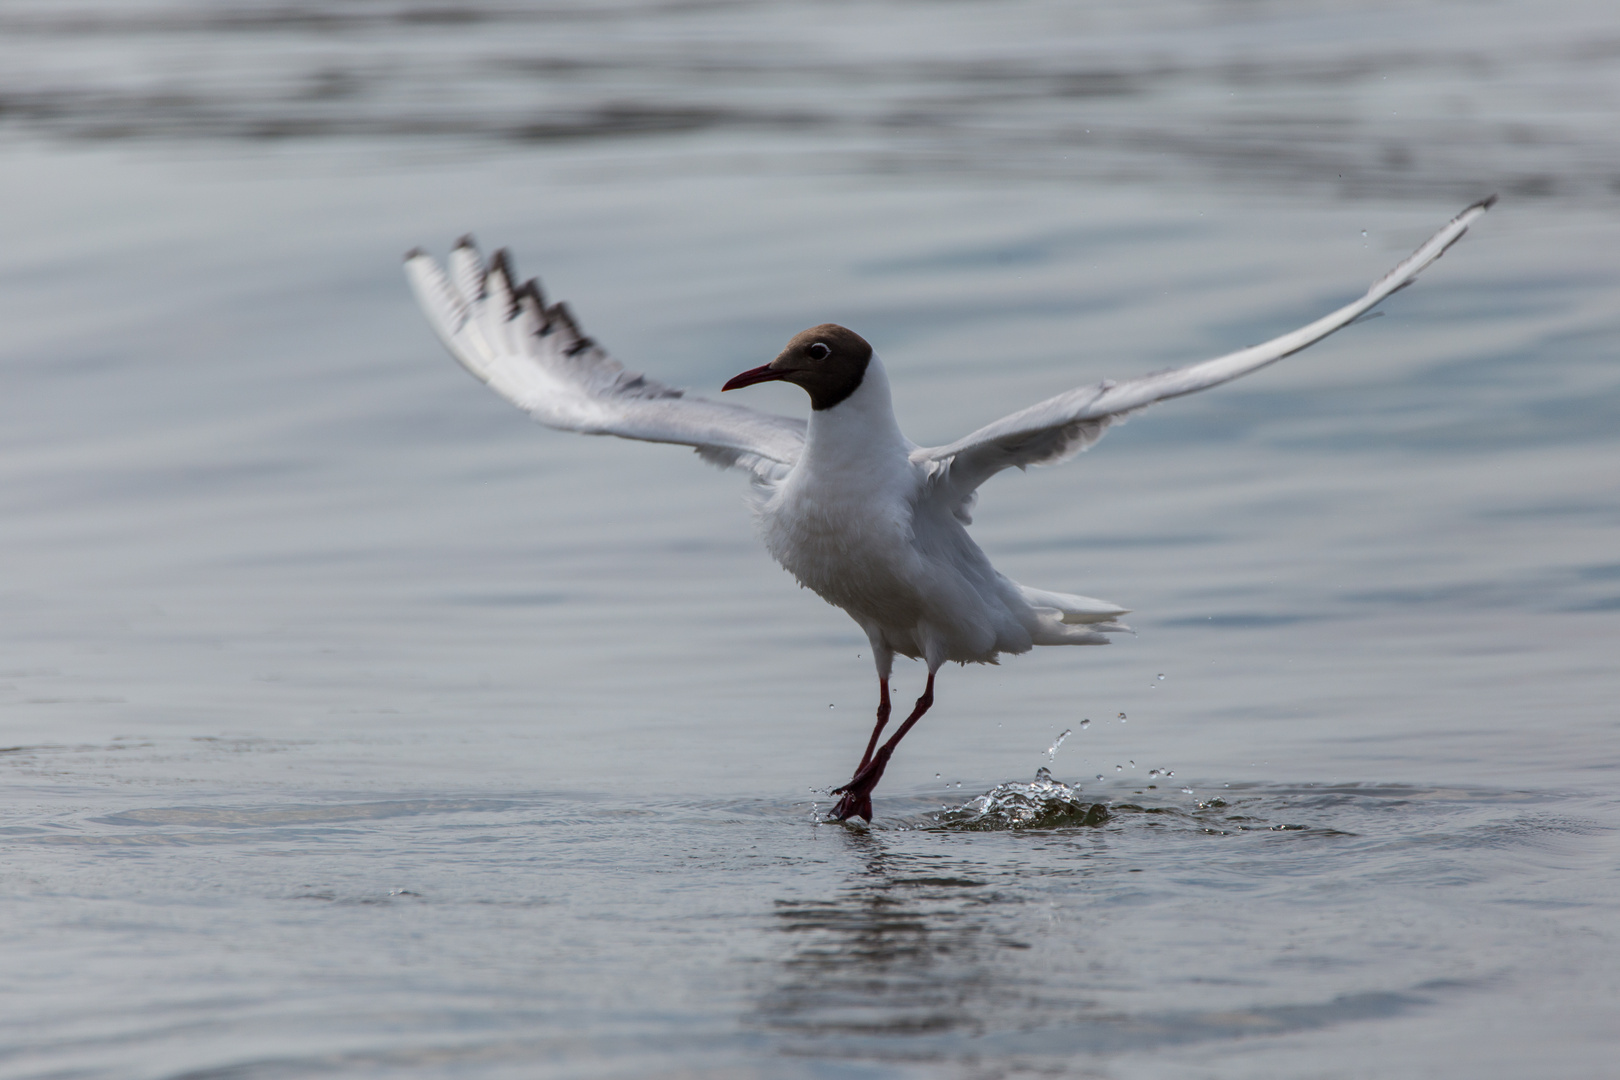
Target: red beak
{"x":754,"y":375}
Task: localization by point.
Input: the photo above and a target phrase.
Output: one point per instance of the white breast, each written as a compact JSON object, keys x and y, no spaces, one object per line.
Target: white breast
{"x":853,"y":522}
{"x":841,"y":520}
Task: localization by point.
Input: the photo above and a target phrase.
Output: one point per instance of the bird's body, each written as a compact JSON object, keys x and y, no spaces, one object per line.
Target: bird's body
{"x":870,"y":527}
{"x":868,"y":520}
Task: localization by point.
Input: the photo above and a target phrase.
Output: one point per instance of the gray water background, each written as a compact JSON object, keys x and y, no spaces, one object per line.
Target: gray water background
{"x":352,"y":725}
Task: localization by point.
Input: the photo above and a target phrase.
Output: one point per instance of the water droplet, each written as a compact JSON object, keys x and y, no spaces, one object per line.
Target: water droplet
{"x":1085,"y":723}
{"x":1051,"y":751}
{"x":1122,"y":718}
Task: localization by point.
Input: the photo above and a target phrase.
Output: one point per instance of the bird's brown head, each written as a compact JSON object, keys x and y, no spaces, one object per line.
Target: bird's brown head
{"x":829,"y":361}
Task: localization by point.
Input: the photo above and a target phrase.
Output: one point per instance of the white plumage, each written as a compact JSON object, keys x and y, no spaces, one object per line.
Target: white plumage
{"x":846,"y":503}
{"x":873,"y":524}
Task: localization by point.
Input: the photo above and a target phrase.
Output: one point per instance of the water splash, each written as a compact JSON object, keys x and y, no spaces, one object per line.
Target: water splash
{"x":1051,"y":751}
{"x":1043,"y":803}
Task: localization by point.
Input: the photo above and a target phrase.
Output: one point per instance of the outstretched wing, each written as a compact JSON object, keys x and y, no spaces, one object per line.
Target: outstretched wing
{"x":535,"y":356}
{"x":1062,"y":426}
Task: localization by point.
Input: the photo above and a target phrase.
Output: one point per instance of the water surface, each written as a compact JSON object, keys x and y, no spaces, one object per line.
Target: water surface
{"x":350,"y":724}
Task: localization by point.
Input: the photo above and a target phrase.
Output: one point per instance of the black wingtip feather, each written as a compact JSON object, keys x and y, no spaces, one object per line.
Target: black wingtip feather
{"x":1486,"y":203}
{"x":559,"y":313}
{"x":501,"y":263}
{"x":531,"y":289}
{"x":414,"y":253}
{"x":466,"y":241}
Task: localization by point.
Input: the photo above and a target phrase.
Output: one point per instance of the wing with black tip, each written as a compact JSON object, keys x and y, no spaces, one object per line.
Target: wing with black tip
{"x":534,"y":355}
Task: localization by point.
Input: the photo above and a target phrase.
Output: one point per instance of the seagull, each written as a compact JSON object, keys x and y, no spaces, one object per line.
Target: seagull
{"x":869,"y":520}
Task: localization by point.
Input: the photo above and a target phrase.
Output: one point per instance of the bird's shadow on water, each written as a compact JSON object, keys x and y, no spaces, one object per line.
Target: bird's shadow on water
{"x":945,"y":953}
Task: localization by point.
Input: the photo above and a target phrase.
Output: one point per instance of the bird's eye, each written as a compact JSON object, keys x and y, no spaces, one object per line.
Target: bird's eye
{"x":819,"y":351}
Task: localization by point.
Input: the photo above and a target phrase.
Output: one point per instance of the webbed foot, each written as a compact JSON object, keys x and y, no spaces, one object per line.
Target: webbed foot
{"x":857,"y":794}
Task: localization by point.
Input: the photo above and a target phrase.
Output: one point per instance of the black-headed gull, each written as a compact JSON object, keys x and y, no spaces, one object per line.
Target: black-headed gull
{"x":871,"y":521}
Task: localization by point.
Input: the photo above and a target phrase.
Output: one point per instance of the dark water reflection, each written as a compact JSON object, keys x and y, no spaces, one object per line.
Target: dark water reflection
{"x":1430,"y":100}
{"x":942,"y":958}
{"x":910,"y":948}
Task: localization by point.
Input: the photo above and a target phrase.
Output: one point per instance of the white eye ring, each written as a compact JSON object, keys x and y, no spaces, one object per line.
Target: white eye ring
{"x":819,"y":351}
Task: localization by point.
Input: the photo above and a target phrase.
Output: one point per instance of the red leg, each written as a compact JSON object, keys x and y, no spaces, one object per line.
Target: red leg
{"x":857,"y":800}
{"x":882,"y":719}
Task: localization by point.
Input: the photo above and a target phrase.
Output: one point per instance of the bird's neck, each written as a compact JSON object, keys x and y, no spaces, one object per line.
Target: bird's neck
{"x":861,"y":428}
